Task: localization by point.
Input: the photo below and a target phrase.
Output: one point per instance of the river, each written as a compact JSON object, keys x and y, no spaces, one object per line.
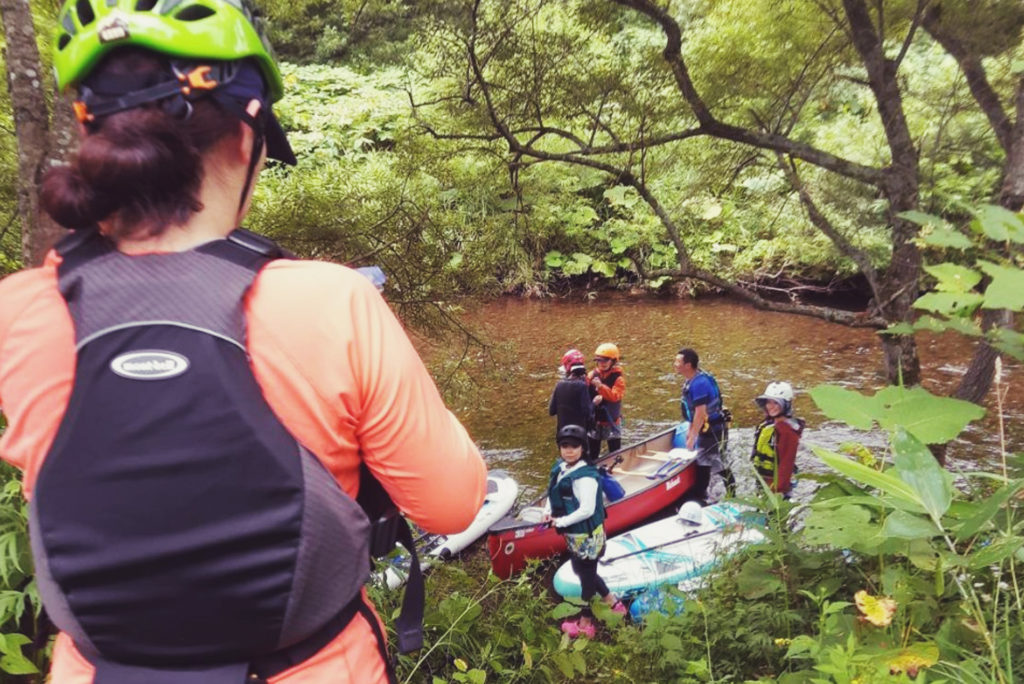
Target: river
{"x":505,"y":409}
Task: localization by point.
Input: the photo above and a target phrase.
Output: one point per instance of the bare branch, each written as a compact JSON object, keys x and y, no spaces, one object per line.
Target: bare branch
{"x":821,"y":222}
{"x":712,"y":126}
{"x":914,"y":23}
{"x":977,"y":80}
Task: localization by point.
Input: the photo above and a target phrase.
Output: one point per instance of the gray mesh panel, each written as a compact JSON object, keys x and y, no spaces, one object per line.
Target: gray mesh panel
{"x":192,"y":288}
{"x":49,"y":591}
{"x":334,"y":555}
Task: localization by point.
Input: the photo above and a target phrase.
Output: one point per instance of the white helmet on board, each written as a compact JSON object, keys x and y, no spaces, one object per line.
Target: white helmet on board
{"x":779,"y":392}
{"x":691,"y":512}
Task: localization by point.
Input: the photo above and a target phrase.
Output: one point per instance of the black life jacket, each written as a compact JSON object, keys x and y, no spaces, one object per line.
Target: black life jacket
{"x":180,"y":532}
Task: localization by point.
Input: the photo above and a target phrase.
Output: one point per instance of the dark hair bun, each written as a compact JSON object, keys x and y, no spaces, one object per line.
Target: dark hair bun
{"x":139,"y":168}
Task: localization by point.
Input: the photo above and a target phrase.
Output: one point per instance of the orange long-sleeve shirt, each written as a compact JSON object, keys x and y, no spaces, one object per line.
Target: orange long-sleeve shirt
{"x":335,"y":366}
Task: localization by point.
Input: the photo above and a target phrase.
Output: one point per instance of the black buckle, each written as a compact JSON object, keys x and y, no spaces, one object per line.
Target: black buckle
{"x":384,"y":533}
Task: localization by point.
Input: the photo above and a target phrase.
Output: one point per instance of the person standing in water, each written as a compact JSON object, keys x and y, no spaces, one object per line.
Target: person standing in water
{"x":570,"y":401}
{"x":777,"y":438}
{"x":607,"y":388}
{"x":701,"y":405}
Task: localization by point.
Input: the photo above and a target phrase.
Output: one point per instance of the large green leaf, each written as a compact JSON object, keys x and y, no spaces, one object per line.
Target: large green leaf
{"x":936,"y":231}
{"x":839,"y":527}
{"x":940,"y":236}
{"x":621,"y":196}
{"x":929,"y":418}
{"x":987,"y":510}
{"x":949,"y":303}
{"x":916,"y":466}
{"x":1006,"y":291}
{"x":852,"y":408}
{"x":907,"y":526}
{"x":756,"y":579}
{"x":997,"y":551}
{"x":923,"y":219}
{"x":1009,"y":342}
{"x":999,"y":224}
{"x":963,"y":325}
{"x":882,"y":481}
{"x":953,"y":277}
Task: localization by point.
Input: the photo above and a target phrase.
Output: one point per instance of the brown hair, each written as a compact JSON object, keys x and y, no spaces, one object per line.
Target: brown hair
{"x":141,"y":167}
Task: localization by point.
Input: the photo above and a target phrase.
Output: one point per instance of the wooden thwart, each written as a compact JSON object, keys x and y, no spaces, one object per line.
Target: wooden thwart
{"x":655,"y":456}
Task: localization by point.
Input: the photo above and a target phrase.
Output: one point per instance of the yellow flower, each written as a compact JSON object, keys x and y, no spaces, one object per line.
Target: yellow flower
{"x":877,"y":610}
{"x":783,"y":642}
{"x":911,"y":660}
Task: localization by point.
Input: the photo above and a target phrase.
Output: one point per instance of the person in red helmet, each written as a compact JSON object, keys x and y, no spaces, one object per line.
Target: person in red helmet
{"x":607,"y":389}
{"x":196,"y":415}
{"x":570,"y":400}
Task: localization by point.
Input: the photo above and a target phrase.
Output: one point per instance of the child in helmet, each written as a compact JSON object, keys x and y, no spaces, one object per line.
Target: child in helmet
{"x":776,"y":438}
{"x":607,"y":389}
{"x":577,"y":509}
{"x":570,"y":401}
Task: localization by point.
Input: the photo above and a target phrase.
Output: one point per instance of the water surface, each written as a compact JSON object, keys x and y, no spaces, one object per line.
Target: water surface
{"x":742,"y":347}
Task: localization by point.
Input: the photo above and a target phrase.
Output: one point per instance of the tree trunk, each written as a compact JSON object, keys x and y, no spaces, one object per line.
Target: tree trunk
{"x":899,"y":283}
{"x":26,"y":85}
{"x":978,"y":379}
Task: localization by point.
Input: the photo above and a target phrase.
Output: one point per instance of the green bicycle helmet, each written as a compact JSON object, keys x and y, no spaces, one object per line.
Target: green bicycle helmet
{"x":226,"y":30}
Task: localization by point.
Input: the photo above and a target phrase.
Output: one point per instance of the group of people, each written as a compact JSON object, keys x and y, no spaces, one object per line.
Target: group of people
{"x":592,"y":400}
{"x":588,"y":407}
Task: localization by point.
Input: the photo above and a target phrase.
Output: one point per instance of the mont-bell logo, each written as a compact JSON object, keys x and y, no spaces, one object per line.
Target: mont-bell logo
{"x":113,"y":29}
{"x":152,"y":364}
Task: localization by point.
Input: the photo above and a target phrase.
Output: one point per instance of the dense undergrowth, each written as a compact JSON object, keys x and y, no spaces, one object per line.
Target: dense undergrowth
{"x":888,"y":575}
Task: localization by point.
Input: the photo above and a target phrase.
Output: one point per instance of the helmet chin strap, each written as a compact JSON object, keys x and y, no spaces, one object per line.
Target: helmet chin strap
{"x":254,"y":159}
{"x":256,"y":123}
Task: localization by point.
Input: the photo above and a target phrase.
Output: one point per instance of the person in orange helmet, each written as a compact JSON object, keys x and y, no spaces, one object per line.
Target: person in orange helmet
{"x":607,"y":389}
{"x":196,"y":416}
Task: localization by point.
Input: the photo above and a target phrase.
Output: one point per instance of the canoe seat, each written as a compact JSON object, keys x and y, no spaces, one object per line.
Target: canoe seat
{"x":655,"y":456}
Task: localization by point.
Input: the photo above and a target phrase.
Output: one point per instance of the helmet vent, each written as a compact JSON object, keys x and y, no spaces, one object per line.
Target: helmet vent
{"x":68,"y":24}
{"x":194,"y":13}
{"x":63,"y":41}
{"x":145,"y":5}
{"x":85,"y":14}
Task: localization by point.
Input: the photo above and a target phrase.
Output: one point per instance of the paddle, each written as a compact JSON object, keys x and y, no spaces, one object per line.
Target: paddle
{"x":687,"y":537}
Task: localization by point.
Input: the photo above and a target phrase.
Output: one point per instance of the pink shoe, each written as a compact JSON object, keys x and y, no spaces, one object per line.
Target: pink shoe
{"x":572,"y":628}
{"x":587,"y":630}
{"x":620,"y":608}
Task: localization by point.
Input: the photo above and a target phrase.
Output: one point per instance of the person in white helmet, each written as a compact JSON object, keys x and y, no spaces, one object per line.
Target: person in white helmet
{"x":776,"y":438}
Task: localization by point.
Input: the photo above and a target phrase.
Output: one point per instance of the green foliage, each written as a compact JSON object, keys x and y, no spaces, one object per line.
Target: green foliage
{"x":993,"y":280}
{"x":327,"y":30}
{"x":929,"y":418}
{"x":19,"y":602}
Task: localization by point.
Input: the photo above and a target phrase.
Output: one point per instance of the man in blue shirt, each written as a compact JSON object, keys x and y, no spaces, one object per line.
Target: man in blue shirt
{"x":701,"y":404}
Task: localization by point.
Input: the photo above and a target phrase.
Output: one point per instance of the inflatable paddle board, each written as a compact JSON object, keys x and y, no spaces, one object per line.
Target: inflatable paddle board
{"x":667,"y":551}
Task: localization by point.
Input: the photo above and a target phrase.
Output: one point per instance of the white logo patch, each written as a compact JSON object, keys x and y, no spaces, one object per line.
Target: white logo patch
{"x":115,"y":28}
{"x":149,"y":365}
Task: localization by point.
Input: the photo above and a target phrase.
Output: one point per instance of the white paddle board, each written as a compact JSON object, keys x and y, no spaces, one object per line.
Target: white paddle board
{"x":668,"y":551}
{"x":502,"y":491}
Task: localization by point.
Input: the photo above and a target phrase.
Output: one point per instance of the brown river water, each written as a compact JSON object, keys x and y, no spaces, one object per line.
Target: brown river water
{"x":506,"y":409}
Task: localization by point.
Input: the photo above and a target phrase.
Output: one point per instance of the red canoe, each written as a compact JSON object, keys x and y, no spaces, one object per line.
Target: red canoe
{"x":654,"y":476}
